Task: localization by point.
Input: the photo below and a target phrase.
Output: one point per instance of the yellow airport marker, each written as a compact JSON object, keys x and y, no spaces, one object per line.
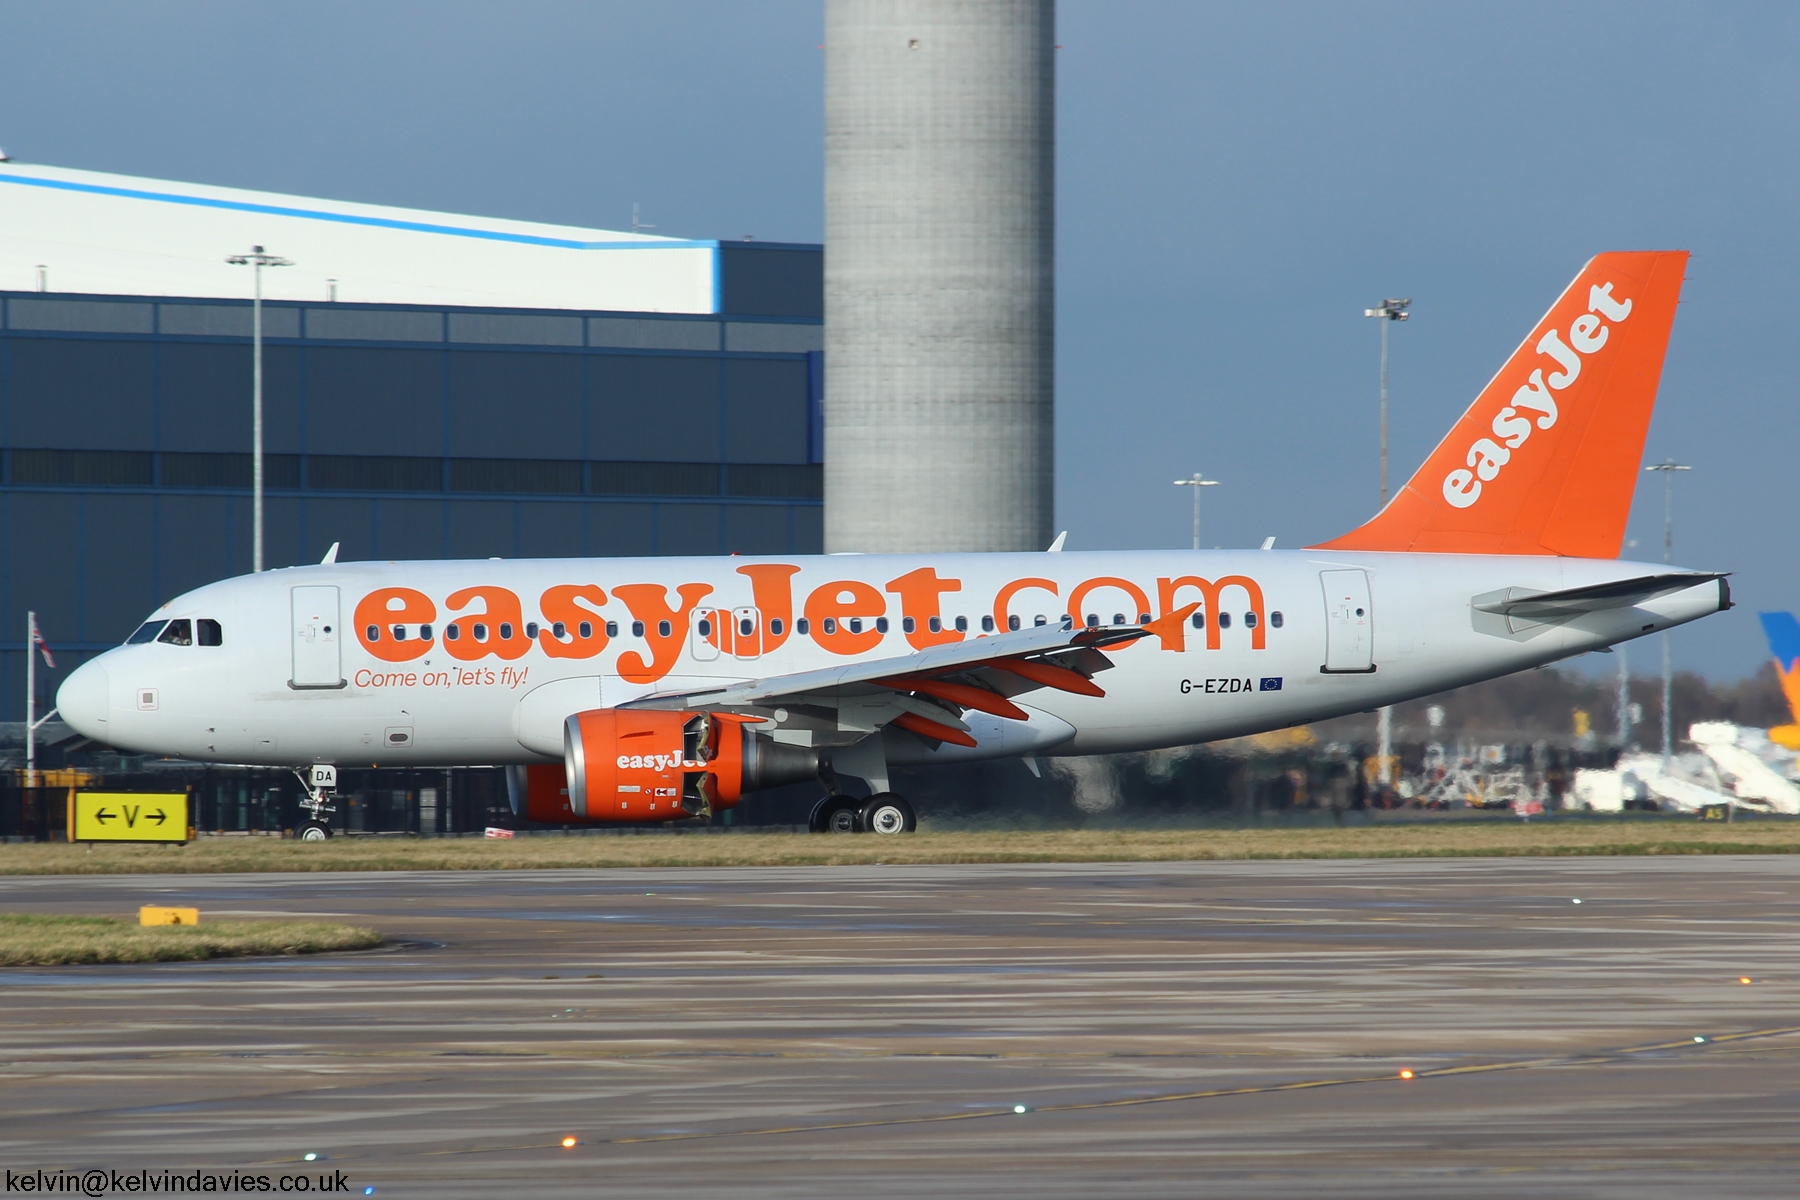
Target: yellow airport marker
{"x":154,"y":914}
{"x":129,"y":817}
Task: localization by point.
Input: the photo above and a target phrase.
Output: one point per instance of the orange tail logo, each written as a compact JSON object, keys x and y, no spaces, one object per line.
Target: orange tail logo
{"x":1546,"y":459}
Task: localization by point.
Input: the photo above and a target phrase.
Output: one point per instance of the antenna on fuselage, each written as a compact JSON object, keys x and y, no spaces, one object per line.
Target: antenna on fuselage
{"x":330,"y":555}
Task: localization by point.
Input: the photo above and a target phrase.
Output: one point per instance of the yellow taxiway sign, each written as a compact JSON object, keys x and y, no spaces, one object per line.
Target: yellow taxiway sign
{"x":130,"y":817}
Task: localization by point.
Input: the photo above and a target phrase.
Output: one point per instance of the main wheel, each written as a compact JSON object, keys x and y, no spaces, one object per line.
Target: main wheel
{"x":836,"y":814}
{"x":313,"y":831}
{"x":885,"y":812}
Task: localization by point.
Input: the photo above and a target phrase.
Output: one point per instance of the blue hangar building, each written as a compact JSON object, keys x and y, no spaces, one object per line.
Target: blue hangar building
{"x":435,"y":386}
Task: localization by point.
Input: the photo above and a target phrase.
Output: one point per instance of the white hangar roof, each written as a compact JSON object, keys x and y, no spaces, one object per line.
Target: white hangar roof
{"x":84,"y":231}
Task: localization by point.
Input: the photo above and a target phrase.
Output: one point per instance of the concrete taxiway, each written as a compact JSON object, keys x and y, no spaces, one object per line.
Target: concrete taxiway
{"x":1170,"y":1029}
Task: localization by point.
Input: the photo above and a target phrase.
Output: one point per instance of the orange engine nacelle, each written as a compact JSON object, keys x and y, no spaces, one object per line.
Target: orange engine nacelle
{"x":645,"y":765}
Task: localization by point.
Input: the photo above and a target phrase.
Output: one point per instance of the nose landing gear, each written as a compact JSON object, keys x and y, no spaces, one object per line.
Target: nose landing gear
{"x":320,"y":782}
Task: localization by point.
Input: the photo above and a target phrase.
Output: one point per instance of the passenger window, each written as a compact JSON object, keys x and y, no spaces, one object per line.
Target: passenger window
{"x":746,"y":627}
{"x":1093,"y":621}
{"x":399,"y":633}
{"x":1224,"y":620}
{"x":531,"y":630}
{"x":776,"y":625}
{"x":908,"y":625}
{"x":1013,"y":623}
{"x":1143,"y":618}
{"x":705,"y":628}
{"x":612,"y":629}
{"x":637,"y":629}
{"x":506,"y":631}
{"x":424,"y":633}
{"x":178,"y":633}
{"x":586,"y":629}
{"x":559,"y":631}
{"x":146,"y":633}
{"x":663,"y":629}
{"x":1040,"y":619}
{"x":830,"y":625}
{"x":1275,"y":619}
{"x":209,"y":632}
{"x":855,"y":624}
{"x":1249,"y":620}
{"x":987,"y":624}
{"x":1199,"y":619}
{"x":452,"y":632}
{"x":1118,"y":618}
{"x":480,"y":632}
{"x":881,"y":625}
{"x":803,"y":627}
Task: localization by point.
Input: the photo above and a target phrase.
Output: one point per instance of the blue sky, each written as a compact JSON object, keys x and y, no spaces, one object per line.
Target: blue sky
{"x":1236,"y":183}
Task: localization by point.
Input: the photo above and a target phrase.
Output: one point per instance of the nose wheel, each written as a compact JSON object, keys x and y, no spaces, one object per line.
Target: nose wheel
{"x":320,"y":781}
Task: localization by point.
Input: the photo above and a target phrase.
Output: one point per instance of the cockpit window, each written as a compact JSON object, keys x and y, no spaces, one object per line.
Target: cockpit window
{"x":178,"y":633}
{"x":146,"y":633}
{"x":209,"y":632}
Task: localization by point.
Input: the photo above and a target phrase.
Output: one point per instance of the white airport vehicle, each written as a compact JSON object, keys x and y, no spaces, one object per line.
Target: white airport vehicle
{"x":1730,"y":765}
{"x":667,"y":688}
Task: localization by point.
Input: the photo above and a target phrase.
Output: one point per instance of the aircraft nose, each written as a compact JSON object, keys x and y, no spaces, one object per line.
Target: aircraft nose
{"x":82,"y":700}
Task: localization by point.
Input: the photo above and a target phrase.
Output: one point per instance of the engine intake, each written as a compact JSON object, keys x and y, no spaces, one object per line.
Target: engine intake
{"x":648,"y":765}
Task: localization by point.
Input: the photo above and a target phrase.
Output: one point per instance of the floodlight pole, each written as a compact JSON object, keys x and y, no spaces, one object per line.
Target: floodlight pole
{"x":1668,"y":467}
{"x":1198,"y":481}
{"x":31,"y":699}
{"x":1389,"y":311}
{"x":257,"y":260}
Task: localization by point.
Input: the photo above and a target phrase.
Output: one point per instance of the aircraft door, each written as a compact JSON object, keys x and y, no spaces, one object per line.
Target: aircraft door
{"x":318,"y":638}
{"x":705,"y":634}
{"x":1349,"y":622}
{"x":746,"y":633}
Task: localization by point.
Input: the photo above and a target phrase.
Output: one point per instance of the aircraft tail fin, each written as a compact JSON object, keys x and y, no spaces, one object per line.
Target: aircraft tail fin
{"x":1546,"y":460}
{"x":1783,"y":632}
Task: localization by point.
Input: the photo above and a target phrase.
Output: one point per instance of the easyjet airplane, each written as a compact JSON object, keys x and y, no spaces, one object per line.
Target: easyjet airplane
{"x":667,"y":688}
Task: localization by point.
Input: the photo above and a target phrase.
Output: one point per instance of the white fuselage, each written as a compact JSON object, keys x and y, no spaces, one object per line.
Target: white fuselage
{"x":491,"y":702}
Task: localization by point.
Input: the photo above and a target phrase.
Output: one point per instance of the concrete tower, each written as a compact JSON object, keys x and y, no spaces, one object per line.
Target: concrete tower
{"x":940,"y":126}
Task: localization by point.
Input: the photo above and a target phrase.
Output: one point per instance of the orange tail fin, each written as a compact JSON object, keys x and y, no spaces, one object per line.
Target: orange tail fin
{"x":1546,"y":459}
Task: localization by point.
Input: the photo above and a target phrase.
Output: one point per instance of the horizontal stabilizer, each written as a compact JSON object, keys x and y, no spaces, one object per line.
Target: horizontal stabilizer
{"x":1524,"y":604}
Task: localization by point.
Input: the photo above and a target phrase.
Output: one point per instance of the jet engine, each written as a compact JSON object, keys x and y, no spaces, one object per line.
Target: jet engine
{"x":650,"y":765}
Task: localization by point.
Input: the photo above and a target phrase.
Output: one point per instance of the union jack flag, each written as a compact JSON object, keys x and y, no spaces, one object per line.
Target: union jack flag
{"x":43,"y":647}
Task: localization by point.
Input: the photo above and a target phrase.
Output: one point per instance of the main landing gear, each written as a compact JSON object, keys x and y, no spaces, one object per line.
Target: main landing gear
{"x":884,"y":813}
{"x":321,"y":789}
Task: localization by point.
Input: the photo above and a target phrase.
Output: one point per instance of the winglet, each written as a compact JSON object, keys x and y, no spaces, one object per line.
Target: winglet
{"x":1546,"y":459}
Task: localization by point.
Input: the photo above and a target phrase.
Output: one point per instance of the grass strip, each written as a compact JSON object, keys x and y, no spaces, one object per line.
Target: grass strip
{"x":30,"y":940}
{"x":1460,"y":839}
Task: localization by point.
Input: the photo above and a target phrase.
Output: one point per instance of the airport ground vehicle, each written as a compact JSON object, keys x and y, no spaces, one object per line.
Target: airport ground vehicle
{"x":662,"y":689}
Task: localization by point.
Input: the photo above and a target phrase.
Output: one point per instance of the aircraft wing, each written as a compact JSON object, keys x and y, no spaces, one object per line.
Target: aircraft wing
{"x":928,"y":691}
